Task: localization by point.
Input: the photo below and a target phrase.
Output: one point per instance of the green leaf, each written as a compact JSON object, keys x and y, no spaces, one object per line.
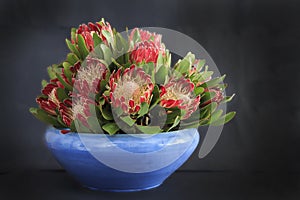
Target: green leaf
{"x":176,"y":122}
{"x":108,"y":36}
{"x":198,"y":90}
{"x":111,"y":128}
{"x":161,"y":75}
{"x":72,"y":58}
{"x":97,"y":40}
{"x":155,"y":97}
{"x":106,"y":112}
{"x":211,"y":107}
{"x":65,"y":84}
{"x":215,"y":116}
{"x":227,"y":99}
{"x":224,"y":119}
{"x":128,"y":120}
{"x":160,"y":61}
{"x":94,"y":124}
{"x":59,"y":119}
{"x":206,"y":96}
{"x":136,"y":36}
{"x":103,"y":84}
{"x":44,"y":116}
{"x":52,"y":71}
{"x":171,"y":116}
{"x":121,"y":43}
{"x":200,"y":64}
{"x":44,"y":83}
{"x":67,"y":70}
{"x":61,"y":94}
{"x":183,"y":66}
{"x":73,"y":127}
{"x":73,"y":33}
{"x":149,"y":129}
{"x":144,"y":109}
{"x":73,"y":48}
{"x":83,"y":49}
{"x":107,"y":54}
{"x":214,"y":82}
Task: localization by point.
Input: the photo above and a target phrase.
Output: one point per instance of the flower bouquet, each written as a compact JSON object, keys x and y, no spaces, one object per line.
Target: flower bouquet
{"x":111,"y":84}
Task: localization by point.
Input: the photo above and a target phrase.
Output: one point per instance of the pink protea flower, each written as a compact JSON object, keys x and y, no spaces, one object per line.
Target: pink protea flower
{"x":147,"y":48}
{"x":51,"y":103}
{"x":219,"y":96}
{"x":179,"y":93}
{"x":81,"y":110}
{"x":87,"y":32}
{"x":130,"y":89}
{"x":147,"y":36}
{"x":77,"y":109}
{"x":144,"y":52}
{"x":65,"y":110}
{"x":89,"y":77}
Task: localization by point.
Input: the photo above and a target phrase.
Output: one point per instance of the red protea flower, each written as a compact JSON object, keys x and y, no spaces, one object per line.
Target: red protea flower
{"x":145,"y":52}
{"x":219,"y":96}
{"x":51,"y":103}
{"x":76,"y":109}
{"x":130,"y":89}
{"x":89,"y":77}
{"x":147,"y":36}
{"x":81,"y":110}
{"x":65,"y":110}
{"x":87,"y":32}
{"x":180,"y":93}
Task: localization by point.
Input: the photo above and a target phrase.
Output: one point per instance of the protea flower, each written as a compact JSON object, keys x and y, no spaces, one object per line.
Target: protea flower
{"x":147,"y":36}
{"x":145,"y":52}
{"x":147,"y":47}
{"x":65,"y":110}
{"x":81,"y":110}
{"x":219,"y":96}
{"x":130,"y":89}
{"x":180,"y":93}
{"x":87,"y":32}
{"x":51,"y":103}
{"x":89,"y":77}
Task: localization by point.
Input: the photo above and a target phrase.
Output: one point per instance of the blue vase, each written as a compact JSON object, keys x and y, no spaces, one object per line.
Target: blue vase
{"x":123,"y":162}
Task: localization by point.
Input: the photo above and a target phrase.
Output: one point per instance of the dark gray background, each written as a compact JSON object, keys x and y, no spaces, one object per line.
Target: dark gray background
{"x":256,"y":43}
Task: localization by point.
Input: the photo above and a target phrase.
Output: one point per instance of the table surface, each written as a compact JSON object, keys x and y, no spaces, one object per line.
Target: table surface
{"x":57,"y":184}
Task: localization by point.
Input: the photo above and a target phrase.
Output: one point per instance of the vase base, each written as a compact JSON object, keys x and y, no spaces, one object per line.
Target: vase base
{"x":122,"y":190}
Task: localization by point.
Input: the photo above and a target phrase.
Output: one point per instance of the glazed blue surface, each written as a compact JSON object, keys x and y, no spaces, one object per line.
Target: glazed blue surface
{"x":122,"y":162}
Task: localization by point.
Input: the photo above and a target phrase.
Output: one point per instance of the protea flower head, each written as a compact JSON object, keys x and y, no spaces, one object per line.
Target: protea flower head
{"x":77,"y":109}
{"x":131,"y":89}
{"x":180,"y":93}
{"x":147,"y":36}
{"x":88,"y":30}
{"x":81,"y":110}
{"x":145,"y":52}
{"x":147,"y":47}
{"x":51,"y":103}
{"x":89,"y":77}
{"x":65,"y":110}
{"x":219,"y":96}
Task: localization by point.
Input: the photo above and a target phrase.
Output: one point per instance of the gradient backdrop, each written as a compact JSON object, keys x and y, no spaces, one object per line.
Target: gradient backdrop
{"x":256,"y":43}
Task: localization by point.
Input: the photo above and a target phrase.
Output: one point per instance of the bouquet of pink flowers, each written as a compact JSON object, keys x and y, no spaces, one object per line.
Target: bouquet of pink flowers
{"x":112,"y":84}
